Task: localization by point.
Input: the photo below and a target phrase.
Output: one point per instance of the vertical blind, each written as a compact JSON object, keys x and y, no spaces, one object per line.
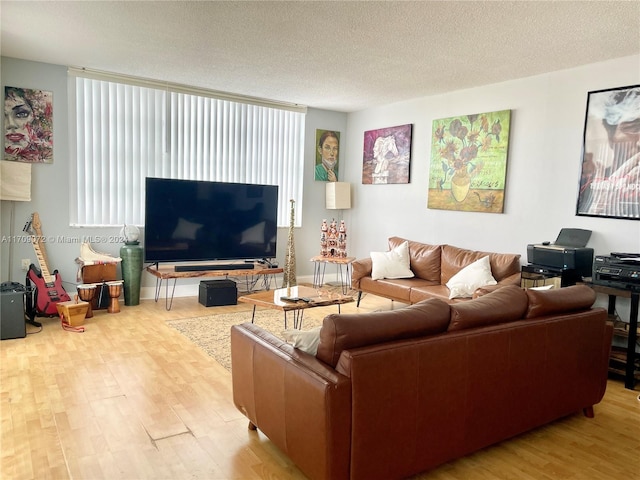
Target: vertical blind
{"x":126,"y":132}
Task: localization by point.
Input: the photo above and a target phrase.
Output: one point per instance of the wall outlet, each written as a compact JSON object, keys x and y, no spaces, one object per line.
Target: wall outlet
{"x":25,"y":264}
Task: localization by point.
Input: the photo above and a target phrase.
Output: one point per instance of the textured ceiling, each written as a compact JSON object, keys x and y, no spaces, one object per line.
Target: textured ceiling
{"x":342,"y":56}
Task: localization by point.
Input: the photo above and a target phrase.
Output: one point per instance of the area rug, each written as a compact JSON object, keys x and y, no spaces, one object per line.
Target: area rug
{"x":212,"y":333}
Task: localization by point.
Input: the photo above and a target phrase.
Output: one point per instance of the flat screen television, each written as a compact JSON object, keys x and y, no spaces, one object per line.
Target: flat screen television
{"x":192,"y":220}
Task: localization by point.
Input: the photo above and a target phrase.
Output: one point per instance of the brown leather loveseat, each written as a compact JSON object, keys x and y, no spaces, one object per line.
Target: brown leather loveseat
{"x":390,"y":394}
{"x":433,"y":266}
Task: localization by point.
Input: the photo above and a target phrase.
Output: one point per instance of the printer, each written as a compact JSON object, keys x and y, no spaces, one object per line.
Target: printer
{"x":619,"y":270}
{"x":567,"y":258}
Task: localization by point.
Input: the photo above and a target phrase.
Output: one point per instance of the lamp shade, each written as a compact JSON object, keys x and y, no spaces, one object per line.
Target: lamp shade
{"x":338,"y":195}
{"x":15,"y":180}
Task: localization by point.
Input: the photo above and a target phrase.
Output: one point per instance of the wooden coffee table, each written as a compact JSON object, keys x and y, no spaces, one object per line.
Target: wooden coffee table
{"x":273,"y":299}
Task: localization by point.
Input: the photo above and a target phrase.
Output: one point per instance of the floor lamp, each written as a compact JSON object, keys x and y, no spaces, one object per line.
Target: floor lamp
{"x":15,"y":186}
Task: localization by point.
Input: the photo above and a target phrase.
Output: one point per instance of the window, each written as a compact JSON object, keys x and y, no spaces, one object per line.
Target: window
{"x":128,"y":130}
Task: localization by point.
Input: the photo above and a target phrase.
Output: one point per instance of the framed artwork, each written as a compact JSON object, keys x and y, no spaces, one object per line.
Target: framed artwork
{"x":28,"y":125}
{"x":387,"y":155}
{"x":469,"y":162}
{"x":610,"y":172}
{"x":327,"y":154}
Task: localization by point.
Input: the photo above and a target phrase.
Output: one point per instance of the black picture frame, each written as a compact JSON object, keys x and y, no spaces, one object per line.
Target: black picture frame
{"x":610,"y":170}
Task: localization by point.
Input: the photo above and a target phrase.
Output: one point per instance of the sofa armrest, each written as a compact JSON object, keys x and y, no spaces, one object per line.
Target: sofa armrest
{"x":299,"y":402}
{"x":359,"y":269}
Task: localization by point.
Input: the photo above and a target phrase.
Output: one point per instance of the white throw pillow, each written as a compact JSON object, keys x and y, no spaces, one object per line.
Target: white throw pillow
{"x":392,"y":264}
{"x":470,"y":278}
{"x":305,"y":340}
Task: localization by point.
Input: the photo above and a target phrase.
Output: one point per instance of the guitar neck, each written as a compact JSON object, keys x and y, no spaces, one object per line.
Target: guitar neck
{"x":42,"y":261}
{"x":33,"y":227}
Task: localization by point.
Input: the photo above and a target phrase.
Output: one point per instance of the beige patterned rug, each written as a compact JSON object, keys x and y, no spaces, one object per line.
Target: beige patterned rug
{"x":212,"y":332}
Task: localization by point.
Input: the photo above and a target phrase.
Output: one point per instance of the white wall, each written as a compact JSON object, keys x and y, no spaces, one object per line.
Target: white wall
{"x":50,"y":183}
{"x":543,"y":168}
{"x":307,"y":238}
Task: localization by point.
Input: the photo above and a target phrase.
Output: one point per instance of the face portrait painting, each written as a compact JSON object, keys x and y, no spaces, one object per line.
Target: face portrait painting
{"x":328,"y":149}
{"x":28,"y":125}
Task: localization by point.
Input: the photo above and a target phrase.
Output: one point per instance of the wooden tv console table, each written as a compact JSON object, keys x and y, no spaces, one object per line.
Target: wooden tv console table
{"x":168,"y":272}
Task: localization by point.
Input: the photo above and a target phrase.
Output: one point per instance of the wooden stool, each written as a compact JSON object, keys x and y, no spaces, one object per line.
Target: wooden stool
{"x":72,"y":312}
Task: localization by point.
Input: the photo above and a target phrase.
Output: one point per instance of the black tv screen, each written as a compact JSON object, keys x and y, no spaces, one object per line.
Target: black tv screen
{"x":191,"y":220}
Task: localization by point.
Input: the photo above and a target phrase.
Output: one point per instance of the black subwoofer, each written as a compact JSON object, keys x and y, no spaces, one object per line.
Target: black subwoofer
{"x":215,"y":293}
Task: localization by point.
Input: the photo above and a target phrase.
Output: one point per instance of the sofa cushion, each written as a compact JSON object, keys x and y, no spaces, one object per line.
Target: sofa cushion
{"x":425,"y":292}
{"x":397,"y":289}
{"x":425,"y":258}
{"x":548,"y":302}
{"x":455,"y":259}
{"x":507,"y":304}
{"x":470,"y":278}
{"x":346,"y":331}
{"x":391,"y":264}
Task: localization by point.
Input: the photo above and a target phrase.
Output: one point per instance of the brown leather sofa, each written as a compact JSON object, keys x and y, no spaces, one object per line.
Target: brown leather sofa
{"x":390,"y":394}
{"x":433,"y":266}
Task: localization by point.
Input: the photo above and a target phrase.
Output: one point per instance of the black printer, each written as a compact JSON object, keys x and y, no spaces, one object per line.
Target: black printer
{"x":567,"y":258}
{"x":619,"y":270}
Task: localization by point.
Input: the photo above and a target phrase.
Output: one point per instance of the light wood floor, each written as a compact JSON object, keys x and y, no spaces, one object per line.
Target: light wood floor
{"x":131,"y":398}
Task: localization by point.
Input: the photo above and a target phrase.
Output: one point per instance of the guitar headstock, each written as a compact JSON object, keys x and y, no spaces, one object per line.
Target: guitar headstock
{"x":37,"y":225}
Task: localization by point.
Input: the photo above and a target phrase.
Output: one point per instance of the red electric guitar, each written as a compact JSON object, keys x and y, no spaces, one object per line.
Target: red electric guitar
{"x":49,"y":289}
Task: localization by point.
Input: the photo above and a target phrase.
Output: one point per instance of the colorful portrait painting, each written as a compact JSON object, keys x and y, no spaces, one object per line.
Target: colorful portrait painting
{"x":28,"y":125}
{"x":610,"y":177}
{"x":386,"y":155}
{"x":327,"y":154}
{"x":469,"y":162}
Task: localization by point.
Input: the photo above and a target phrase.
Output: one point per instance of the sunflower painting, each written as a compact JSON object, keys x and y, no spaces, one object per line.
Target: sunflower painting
{"x":469,"y":162}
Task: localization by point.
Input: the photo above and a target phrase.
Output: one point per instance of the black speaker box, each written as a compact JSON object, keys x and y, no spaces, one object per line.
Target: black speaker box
{"x":12,"y":321}
{"x":214,"y":293}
